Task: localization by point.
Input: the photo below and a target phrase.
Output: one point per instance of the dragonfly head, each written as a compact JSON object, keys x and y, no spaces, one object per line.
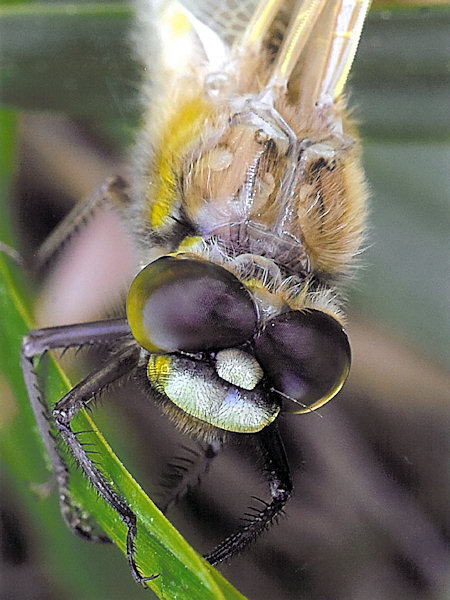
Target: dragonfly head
{"x":217,"y":359}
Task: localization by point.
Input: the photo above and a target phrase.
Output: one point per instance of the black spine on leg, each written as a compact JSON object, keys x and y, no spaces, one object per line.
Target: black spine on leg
{"x":63,"y":413}
{"x":280,"y":483}
{"x":112,"y":193}
{"x":185,"y":472}
{"x":122,"y":363}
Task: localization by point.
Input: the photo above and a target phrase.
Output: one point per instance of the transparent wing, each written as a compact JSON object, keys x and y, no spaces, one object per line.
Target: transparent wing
{"x":195,"y":37}
{"x":313,"y":43}
{"x":307,"y":46}
{"x":227,"y":19}
{"x":347,"y":25}
{"x":319,"y":48}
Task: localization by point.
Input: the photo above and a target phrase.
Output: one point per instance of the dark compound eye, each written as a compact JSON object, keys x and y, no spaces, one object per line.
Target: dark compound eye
{"x":306,"y":355}
{"x":188,"y":304}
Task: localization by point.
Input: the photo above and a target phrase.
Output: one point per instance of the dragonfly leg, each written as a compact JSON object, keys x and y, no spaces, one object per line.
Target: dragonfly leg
{"x":280,"y":483}
{"x":113,"y":193}
{"x":185,"y":472}
{"x":120,"y":364}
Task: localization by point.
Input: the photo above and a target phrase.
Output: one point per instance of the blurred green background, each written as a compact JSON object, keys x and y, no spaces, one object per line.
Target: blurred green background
{"x":370,"y":516}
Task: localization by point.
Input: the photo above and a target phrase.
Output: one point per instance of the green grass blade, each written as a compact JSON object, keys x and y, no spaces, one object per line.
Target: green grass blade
{"x":160,"y":548}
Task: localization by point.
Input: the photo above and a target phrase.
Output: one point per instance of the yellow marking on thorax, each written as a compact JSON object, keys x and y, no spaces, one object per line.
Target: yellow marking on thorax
{"x":188,"y":243}
{"x":179,"y":23}
{"x":180,"y":132}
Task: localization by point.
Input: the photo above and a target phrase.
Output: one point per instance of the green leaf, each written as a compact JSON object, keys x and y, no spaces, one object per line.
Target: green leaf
{"x":33,"y":67}
{"x":160,"y":548}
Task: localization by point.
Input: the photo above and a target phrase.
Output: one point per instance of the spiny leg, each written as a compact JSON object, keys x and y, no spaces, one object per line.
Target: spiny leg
{"x":37,"y":343}
{"x":280,"y":483}
{"x":12,"y":253}
{"x":63,"y":413}
{"x":111,"y":193}
{"x":185,"y":472}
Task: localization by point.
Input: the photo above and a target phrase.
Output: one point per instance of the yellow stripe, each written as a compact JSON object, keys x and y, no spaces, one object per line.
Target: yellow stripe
{"x":158,"y":371}
{"x":179,"y":23}
{"x":181,"y":132}
{"x":188,"y":243}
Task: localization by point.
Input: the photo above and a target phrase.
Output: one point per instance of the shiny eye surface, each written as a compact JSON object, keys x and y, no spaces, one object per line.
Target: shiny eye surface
{"x":188,"y":304}
{"x":306,"y":355}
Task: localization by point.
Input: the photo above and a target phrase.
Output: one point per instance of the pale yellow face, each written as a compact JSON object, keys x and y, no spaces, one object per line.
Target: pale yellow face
{"x":250,"y":163}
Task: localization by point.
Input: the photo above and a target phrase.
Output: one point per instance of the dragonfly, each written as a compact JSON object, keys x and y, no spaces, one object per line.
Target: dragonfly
{"x":247,"y":209}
